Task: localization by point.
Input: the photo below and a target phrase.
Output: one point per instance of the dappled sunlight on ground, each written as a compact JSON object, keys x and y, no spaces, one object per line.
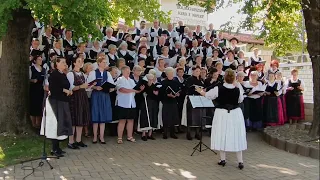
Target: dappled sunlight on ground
{"x":169,"y":160}
{"x":279,"y":169}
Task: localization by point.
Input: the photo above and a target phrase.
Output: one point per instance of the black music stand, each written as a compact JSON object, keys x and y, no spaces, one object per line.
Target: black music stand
{"x":201,"y":102}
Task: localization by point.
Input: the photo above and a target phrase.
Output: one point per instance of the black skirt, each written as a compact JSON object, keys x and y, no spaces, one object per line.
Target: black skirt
{"x":153,"y":110}
{"x":36,"y":99}
{"x":255,"y":110}
{"x":270,"y":110}
{"x":195,"y":115}
{"x":125,"y":113}
{"x":293,"y":104}
{"x":246,"y":108}
{"x":61,"y":111}
{"x":170,"y":115}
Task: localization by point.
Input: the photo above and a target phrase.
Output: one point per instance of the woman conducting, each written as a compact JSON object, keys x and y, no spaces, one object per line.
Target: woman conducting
{"x":228,"y":133}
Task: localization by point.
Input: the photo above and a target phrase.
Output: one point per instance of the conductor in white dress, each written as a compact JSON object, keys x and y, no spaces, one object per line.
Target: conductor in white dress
{"x":228,"y":133}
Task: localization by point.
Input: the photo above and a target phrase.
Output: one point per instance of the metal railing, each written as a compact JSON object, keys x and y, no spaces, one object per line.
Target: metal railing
{"x":302,"y":58}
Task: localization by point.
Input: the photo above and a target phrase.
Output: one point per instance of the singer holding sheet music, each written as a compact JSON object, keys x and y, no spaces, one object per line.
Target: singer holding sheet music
{"x":193,"y":115}
{"x":126,"y":104}
{"x":228,"y":133}
{"x":255,"y":90}
{"x":101,"y":110}
{"x":169,"y":92}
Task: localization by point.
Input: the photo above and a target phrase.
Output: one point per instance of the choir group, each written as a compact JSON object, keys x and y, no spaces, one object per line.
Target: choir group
{"x":141,"y":80}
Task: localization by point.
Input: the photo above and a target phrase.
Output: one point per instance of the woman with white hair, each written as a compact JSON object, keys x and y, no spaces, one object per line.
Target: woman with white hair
{"x":126,"y":104}
{"x":207,"y":45}
{"x":149,"y":108}
{"x":95,"y":50}
{"x":125,"y":54}
{"x":112,"y":57}
{"x":109,"y":39}
{"x":136,"y":77}
{"x":255,"y":89}
{"x":170,"y":91}
{"x":182,"y":64}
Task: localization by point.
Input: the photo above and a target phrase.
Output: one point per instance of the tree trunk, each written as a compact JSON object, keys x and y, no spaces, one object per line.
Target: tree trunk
{"x":311,"y":13}
{"x":14,"y":82}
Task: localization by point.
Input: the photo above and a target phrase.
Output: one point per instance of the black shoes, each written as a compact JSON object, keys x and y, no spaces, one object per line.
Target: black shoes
{"x":102,"y":142}
{"x":240,"y":166}
{"x":173,"y":136}
{"x":57,"y":154}
{"x":189,"y":137}
{"x":222,"y":163}
{"x":81,"y":144}
{"x":165,"y":136}
{"x":73,"y":146}
{"x":144,"y":138}
{"x":151,"y":137}
{"x":197,"y":136}
{"x":60,"y":151}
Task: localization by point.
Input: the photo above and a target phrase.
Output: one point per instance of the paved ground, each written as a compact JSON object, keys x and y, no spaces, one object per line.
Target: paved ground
{"x":170,"y":159}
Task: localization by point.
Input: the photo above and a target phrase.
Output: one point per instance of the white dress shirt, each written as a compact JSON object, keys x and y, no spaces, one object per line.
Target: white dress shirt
{"x":125,"y":100}
{"x":214,"y":93}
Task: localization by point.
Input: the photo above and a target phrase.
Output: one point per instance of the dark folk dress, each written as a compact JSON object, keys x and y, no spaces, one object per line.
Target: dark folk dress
{"x":36,"y":92}
{"x":79,"y":104}
{"x":294,"y":100}
{"x":182,"y":96}
{"x":194,"y":115}
{"x":149,"y":108}
{"x":170,"y":115}
{"x":272,"y":107}
{"x":59,"y":103}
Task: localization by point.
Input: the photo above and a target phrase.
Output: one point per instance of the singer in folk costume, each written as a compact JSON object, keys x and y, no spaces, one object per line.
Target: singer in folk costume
{"x":228,"y":133}
{"x":169,"y":93}
{"x":191,"y":117}
{"x":57,"y":123}
{"x":149,"y":108}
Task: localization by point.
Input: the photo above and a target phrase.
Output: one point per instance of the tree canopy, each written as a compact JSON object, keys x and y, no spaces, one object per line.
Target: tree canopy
{"x":278,"y":22}
{"x":83,"y":16}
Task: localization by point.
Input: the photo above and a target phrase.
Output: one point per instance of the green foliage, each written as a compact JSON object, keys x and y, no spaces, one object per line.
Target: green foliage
{"x":83,"y":16}
{"x":6,"y":8}
{"x":130,"y":10}
{"x":279,"y":22}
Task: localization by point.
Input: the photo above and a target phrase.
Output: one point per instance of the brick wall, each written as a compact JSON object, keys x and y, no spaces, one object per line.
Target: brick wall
{"x":305,"y":74}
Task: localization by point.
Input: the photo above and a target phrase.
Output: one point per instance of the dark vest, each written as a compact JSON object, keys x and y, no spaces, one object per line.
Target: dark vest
{"x":295,"y":86}
{"x":253,"y":62}
{"x":272,"y":89}
{"x":112,"y":62}
{"x":228,"y":98}
{"x":104,"y":77}
{"x":159,"y":33}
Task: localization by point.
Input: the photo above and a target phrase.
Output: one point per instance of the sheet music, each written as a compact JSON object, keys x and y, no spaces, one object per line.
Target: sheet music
{"x":206,"y":102}
{"x":195,"y":101}
{"x":200,"y":101}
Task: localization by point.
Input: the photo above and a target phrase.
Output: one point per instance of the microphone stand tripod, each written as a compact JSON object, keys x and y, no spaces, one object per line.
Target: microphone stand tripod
{"x":44,"y":157}
{"x":198,"y":147}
